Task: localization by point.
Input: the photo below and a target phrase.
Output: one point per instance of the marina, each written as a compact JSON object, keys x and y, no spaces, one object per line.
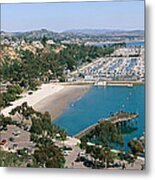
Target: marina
{"x":124,"y":64}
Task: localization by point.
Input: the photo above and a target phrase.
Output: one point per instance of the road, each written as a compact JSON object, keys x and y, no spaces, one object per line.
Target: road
{"x":70,"y":159}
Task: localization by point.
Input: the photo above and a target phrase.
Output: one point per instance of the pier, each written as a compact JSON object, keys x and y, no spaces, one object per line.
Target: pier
{"x":119,"y":119}
{"x":118,"y":83}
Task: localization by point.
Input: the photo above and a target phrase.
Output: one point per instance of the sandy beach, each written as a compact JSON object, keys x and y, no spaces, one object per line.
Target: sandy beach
{"x":44,"y":91}
{"x":50,"y":97}
{"x":56,"y":103}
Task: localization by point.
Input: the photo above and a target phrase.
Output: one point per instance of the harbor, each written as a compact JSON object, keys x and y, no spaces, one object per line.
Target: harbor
{"x":124,"y":65}
{"x":99,"y":103}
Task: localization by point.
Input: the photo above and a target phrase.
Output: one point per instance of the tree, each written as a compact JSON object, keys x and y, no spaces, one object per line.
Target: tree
{"x":4,"y":121}
{"x":14,"y":89}
{"x":104,"y":136}
{"x":50,"y":157}
{"x":136,"y":147}
{"x":43,"y":41}
{"x":63,"y":135}
{"x":24,"y":112}
{"x":12,"y":94}
{"x":10,"y":159}
{"x":46,"y":153}
{"x":107,"y":133}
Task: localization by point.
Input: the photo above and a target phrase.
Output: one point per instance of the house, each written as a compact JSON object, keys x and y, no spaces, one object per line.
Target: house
{"x":4,"y":87}
{"x":50,"y":41}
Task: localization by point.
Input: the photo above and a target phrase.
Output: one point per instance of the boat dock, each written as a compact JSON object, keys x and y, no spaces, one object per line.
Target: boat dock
{"x":117,"y":83}
{"x":120,"y":119}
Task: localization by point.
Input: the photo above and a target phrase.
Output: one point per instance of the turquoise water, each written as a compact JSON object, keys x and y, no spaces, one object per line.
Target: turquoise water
{"x":99,"y":103}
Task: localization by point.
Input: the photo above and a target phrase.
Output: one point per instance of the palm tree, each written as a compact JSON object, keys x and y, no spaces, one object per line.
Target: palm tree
{"x":63,"y":135}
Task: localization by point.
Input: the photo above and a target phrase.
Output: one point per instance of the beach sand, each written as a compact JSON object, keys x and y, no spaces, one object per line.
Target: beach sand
{"x":53,"y":98}
{"x":44,"y":91}
{"x":56,"y":103}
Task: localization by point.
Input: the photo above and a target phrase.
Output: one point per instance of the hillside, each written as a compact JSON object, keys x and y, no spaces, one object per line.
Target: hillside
{"x":74,"y":33}
{"x":107,"y":32}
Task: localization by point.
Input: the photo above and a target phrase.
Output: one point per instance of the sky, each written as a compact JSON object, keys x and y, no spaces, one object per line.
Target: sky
{"x":127,"y":15}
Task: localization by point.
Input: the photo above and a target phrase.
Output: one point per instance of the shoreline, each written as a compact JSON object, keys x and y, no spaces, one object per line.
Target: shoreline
{"x":128,"y":83}
{"x":116,"y":42}
{"x":56,"y":103}
{"x":60,"y":94}
{"x":52,"y":97}
{"x":43,"y":91}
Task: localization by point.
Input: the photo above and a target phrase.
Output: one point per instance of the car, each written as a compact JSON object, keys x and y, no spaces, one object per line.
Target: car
{"x":16,"y":133}
{"x":82,"y":154}
{"x":3,"y":142}
{"x":27,"y":127}
{"x":66,"y":153}
{"x":117,"y":164}
{"x":67,"y":148}
{"x":30,"y":92}
{"x":88,"y":163}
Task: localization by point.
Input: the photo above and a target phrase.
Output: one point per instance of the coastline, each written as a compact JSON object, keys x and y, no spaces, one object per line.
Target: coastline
{"x":131,"y":95}
{"x":108,"y":82}
{"x":53,"y":98}
{"x":56,"y":103}
{"x":43,"y":91}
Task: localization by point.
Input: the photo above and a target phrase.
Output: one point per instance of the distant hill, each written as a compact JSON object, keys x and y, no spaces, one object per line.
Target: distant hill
{"x":106,"y":32}
{"x":66,"y":35}
{"x":36,"y":34}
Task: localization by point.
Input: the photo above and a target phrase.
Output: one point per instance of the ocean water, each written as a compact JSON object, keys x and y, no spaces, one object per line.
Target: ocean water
{"x":98,"y":103}
{"x":129,"y":44}
{"x":135,"y":43}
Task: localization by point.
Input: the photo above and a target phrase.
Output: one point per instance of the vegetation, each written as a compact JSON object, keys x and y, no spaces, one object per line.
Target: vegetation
{"x":136,"y":147}
{"x":13,"y":93}
{"x":10,"y":159}
{"x":103,"y":136}
{"x":47,"y":64}
{"x":4,"y":121}
{"x":43,"y":41}
{"x":49,"y":157}
{"x":31,"y":69}
{"x":43,"y":133}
